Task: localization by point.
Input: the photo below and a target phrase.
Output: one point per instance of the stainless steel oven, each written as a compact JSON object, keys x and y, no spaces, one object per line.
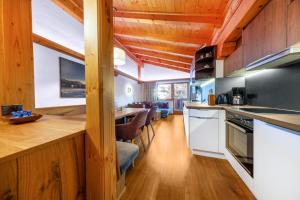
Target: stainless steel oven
{"x":239,"y":139}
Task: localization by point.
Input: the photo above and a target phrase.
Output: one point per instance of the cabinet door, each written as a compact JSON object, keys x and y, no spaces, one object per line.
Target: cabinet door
{"x":222,"y":131}
{"x":253,"y":39}
{"x":266,"y":34}
{"x":275,"y":21}
{"x":293,"y":29}
{"x":186,"y":123}
{"x":204,"y":134}
{"x":234,"y":62}
{"x":276,"y":162}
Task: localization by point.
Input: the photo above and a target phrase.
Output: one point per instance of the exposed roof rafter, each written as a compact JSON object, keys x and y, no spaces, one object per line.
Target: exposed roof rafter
{"x":167,"y":62}
{"x":186,"y":42}
{"x":179,"y":17}
{"x":167,"y":66}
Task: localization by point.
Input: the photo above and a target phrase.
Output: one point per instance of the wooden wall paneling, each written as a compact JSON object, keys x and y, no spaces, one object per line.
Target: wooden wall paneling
{"x":63,"y":110}
{"x":53,"y":172}
{"x":293,"y":25}
{"x":8,"y":180}
{"x":100,"y":122}
{"x":16,"y":53}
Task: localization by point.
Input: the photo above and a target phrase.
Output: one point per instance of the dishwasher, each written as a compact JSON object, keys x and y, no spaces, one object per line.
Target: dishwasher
{"x":204,"y":130}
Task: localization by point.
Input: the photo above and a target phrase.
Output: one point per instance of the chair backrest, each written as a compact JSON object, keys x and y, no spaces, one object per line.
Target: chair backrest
{"x":150,"y":115}
{"x":132,"y":129}
{"x":140,"y":119}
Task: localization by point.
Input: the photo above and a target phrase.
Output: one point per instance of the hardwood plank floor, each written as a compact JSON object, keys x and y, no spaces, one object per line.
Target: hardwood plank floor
{"x":168,"y":170}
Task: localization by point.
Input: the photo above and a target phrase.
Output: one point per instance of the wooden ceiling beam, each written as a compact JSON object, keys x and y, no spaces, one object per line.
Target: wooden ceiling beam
{"x":71,"y":7}
{"x":167,"y":56}
{"x":167,"y":62}
{"x":161,"y":53}
{"x":128,"y":53}
{"x":239,"y":14}
{"x":171,"y":49}
{"x":188,"y":42}
{"x":178,"y":17}
{"x":75,"y":9}
{"x":141,"y":56}
{"x":167,"y":66}
{"x":55,"y":46}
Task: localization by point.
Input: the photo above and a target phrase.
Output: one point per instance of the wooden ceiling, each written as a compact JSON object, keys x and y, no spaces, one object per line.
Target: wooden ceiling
{"x":165,"y":32}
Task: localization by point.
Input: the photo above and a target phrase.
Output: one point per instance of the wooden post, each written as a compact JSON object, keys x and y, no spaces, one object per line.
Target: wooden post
{"x":16,"y":53}
{"x":140,"y":66}
{"x":100,"y":123}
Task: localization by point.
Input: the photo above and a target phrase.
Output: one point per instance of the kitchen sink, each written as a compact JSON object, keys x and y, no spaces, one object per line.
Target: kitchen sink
{"x":270,"y":111}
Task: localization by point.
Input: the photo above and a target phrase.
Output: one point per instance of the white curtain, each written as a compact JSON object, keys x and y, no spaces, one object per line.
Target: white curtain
{"x":149,"y":91}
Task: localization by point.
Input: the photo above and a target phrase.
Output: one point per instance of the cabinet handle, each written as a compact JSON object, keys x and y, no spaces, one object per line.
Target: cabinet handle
{"x":235,"y":126}
{"x":204,"y":117}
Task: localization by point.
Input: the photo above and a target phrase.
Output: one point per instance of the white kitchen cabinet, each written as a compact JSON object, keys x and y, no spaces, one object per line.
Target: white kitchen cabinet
{"x":186,"y":123}
{"x":204,"y":130}
{"x":222,"y":131}
{"x":276,"y":162}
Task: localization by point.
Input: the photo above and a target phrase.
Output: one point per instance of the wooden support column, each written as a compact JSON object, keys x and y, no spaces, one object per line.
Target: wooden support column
{"x":16,"y":53}
{"x":140,"y":67}
{"x":100,"y":123}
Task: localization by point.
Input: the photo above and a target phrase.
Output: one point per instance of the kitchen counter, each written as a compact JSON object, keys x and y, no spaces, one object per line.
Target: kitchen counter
{"x":288,"y":121}
{"x":19,"y":139}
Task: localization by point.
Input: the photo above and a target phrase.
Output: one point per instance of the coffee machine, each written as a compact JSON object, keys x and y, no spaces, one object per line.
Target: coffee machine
{"x":238,"y":96}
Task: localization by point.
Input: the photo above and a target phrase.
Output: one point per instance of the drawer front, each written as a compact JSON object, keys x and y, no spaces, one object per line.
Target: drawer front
{"x":204,"y":113}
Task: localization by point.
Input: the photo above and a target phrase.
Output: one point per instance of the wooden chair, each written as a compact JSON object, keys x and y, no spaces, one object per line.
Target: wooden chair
{"x":133,"y":129}
{"x":149,"y":120}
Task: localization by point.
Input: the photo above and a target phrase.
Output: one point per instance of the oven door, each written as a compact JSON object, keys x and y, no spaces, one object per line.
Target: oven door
{"x":239,"y":142}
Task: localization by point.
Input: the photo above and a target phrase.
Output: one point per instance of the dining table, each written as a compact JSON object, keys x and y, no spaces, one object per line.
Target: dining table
{"x":119,"y":114}
{"x":125,"y":112}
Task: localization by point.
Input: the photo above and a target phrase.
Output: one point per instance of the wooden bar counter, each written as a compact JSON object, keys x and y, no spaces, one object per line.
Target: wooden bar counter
{"x":43,"y":159}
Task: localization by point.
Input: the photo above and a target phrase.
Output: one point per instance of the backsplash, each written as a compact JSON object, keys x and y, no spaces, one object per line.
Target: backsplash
{"x":279,"y":88}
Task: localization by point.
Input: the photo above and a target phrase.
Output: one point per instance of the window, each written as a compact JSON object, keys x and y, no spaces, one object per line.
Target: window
{"x":180,"y":90}
{"x":164,"y":91}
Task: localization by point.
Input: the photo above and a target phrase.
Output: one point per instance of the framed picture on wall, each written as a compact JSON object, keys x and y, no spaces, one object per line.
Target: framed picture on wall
{"x":72,"y":79}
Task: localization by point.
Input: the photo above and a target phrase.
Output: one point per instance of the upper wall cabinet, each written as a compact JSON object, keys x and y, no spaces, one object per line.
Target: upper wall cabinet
{"x":293,"y":28}
{"x":234,"y":62}
{"x":266,"y":34}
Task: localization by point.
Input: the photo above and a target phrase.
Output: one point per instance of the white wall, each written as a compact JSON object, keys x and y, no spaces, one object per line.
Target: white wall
{"x":53,"y":23}
{"x":130,"y":68}
{"x":121,"y":97}
{"x":151,"y":72}
{"x":47,"y":78}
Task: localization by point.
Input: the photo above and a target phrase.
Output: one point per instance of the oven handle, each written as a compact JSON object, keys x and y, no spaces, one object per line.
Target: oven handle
{"x":235,"y":126}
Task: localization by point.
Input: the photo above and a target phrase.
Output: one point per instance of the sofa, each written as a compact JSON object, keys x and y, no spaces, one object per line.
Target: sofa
{"x":165,"y":107}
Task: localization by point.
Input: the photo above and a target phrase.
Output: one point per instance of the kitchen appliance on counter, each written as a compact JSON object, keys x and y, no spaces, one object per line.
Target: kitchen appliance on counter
{"x":222,"y":99}
{"x":238,"y":95}
{"x":239,"y":139}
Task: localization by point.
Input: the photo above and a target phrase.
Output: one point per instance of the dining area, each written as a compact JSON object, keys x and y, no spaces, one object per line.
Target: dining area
{"x":130,"y":125}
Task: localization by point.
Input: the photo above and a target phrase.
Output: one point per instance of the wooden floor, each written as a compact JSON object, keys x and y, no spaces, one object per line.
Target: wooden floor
{"x":169,"y":171}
